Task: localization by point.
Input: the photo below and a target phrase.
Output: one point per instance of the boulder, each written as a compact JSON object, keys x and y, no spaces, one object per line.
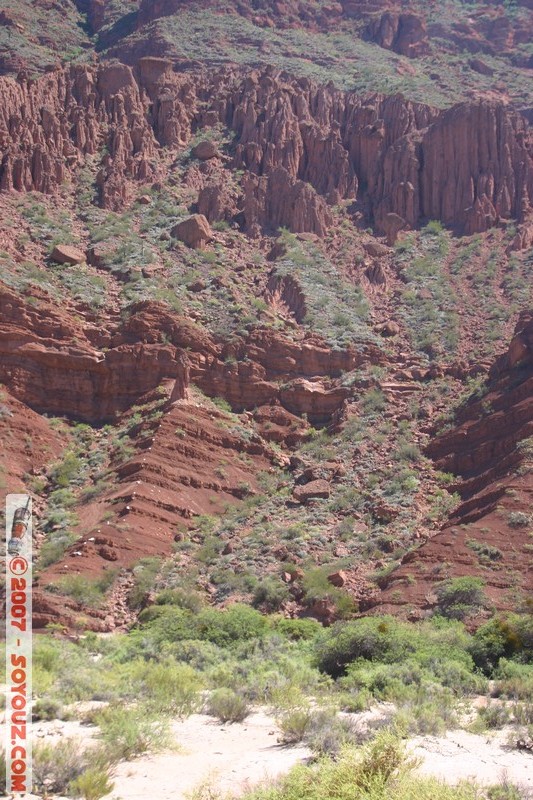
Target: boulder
{"x":315,"y":489}
{"x":337,"y":578}
{"x":194,"y":231}
{"x":205,"y":150}
{"x":389,"y":328}
{"x":376,"y":249}
{"x":65,"y":254}
{"x":479,"y":66}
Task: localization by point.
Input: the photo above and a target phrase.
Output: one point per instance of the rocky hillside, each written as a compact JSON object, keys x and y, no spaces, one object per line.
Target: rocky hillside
{"x":254,"y":308}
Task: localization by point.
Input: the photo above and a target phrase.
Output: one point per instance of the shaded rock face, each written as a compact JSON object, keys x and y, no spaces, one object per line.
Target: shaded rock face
{"x":406,"y":34}
{"x":489,"y":449}
{"x":301,"y":147}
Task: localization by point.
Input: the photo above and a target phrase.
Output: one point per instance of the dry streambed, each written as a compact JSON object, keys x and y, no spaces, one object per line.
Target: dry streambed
{"x":232,"y":757}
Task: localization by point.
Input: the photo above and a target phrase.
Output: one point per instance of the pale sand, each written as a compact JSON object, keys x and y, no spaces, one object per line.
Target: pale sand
{"x":231,"y":757}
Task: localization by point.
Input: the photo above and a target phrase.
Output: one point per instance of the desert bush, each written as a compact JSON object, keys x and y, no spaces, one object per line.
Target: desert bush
{"x":228,"y":706}
{"x":518,"y":519}
{"x":372,"y":639}
{"x":130,"y":732}
{"x":191,"y":601}
{"x":374,"y":401}
{"x":55,"y":766}
{"x":294,"y":724}
{"x":523,"y":713}
{"x":270,"y":593}
{"x":171,"y":688}
{"x":297,"y":629}
{"x":144,"y":574}
{"x":508,"y":636}
{"x":92,"y":784}
{"x":327,"y":732}
{"x":494,"y":715}
{"x":197,"y":654}
{"x":459,"y":597}
{"x":46,"y":709}
{"x":83,"y":590}
{"x":234,"y":624}
{"x":505,"y":790}
{"x":513,"y":680}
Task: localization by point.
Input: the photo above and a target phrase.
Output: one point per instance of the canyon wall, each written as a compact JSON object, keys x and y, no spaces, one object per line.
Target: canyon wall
{"x":302,"y":147}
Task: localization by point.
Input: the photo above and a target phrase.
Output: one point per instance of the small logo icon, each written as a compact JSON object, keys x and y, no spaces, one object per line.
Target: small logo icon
{"x":21,"y":519}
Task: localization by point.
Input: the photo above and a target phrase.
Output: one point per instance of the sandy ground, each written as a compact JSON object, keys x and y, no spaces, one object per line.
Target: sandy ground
{"x":230,"y":757}
{"x":233,"y":757}
{"x":486,"y":759}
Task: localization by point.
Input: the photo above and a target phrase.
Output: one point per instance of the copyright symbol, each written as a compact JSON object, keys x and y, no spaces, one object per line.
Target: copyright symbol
{"x":18,"y":565}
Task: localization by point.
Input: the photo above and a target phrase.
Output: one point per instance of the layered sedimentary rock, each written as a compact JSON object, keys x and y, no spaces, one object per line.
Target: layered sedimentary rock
{"x":48,"y":362}
{"x":302,"y":147}
{"x":53,"y":365}
{"x":490,"y":450}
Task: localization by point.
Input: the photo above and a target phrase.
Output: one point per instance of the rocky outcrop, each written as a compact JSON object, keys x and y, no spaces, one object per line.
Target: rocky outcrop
{"x":302,"y":147}
{"x":205,"y":150}
{"x":51,"y":365}
{"x":217,"y":201}
{"x":469,"y":169}
{"x":278,"y":200}
{"x":405,"y":33}
{"x":311,"y":491}
{"x":56,"y":366}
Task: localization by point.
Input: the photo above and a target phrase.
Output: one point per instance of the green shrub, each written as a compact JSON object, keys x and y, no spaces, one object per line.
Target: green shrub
{"x":294,"y":724}
{"x":508,"y":636}
{"x":46,"y":709}
{"x":327,"y":732}
{"x":144,"y":574}
{"x":228,"y":706}
{"x":171,"y":688}
{"x":92,"y":784}
{"x":66,"y":470}
{"x":191,"y":601}
{"x":297,"y":629}
{"x":518,"y":519}
{"x":494,"y":715}
{"x":235,"y":624}
{"x":373,"y":639}
{"x":374,"y":401}
{"x":504,"y":791}
{"x":83,"y":590}
{"x":130,"y":732}
{"x":459,"y":597}
{"x":270,"y":593}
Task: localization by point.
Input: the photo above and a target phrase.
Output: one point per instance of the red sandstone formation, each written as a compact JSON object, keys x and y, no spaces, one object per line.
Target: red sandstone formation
{"x":303,"y":146}
{"x":490,"y":450}
{"x":406,"y":34}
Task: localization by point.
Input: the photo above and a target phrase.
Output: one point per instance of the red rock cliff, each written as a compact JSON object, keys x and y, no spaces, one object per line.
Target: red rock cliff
{"x":303,"y":146}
